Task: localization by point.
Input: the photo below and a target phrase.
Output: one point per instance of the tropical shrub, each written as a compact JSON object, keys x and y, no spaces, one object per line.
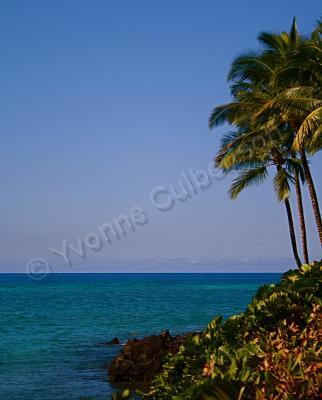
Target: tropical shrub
{"x":271,"y":351}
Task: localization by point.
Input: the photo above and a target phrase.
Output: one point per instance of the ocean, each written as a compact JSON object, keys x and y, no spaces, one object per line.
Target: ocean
{"x":51,"y":330}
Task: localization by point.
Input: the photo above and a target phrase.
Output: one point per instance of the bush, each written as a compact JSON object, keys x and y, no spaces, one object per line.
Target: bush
{"x":271,"y":351}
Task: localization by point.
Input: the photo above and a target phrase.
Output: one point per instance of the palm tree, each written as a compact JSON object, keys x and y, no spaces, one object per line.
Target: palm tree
{"x":247,"y":98}
{"x":252,"y":159}
{"x":298,"y":100}
{"x":258,"y":87}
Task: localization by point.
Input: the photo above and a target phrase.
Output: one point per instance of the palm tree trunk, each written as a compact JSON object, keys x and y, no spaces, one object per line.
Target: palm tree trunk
{"x":300,"y":209}
{"x":314,"y":198}
{"x":292,"y":232}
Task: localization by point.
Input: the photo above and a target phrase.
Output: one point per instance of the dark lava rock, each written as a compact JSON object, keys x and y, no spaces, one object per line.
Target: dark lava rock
{"x":141,"y":359}
{"x":112,"y":342}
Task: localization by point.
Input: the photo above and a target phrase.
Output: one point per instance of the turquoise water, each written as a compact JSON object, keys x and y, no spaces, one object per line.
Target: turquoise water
{"x":50,"y":329}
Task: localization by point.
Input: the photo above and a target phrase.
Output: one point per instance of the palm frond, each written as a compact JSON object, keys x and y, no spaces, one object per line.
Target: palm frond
{"x":294,"y":33}
{"x":246,"y":179}
{"x":312,"y":124}
{"x":225,"y":113}
{"x":294,"y":166}
{"x":231,"y":143}
{"x":250,"y":67}
{"x":281,"y":183}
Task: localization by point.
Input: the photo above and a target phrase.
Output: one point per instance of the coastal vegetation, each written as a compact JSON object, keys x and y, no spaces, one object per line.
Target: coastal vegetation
{"x":273,"y":349}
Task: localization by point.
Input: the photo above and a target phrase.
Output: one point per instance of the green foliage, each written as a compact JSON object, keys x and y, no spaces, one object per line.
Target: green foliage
{"x":124,"y":394}
{"x":275,"y":89}
{"x":271,"y":351}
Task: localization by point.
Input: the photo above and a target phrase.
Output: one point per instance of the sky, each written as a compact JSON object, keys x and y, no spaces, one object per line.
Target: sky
{"x":103,"y":106}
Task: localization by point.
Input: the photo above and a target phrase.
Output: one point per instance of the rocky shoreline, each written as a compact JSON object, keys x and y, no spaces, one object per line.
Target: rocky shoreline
{"x":141,"y":359}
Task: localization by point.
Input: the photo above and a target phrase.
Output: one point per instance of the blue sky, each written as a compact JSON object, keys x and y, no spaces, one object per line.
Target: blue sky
{"x":102,"y":101}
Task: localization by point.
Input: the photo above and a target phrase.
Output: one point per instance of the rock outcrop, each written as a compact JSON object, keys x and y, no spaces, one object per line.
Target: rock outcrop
{"x":114,"y":341}
{"x":141,"y":359}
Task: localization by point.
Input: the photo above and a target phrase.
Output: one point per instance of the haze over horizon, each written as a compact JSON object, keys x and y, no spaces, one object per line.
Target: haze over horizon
{"x":104,"y":102}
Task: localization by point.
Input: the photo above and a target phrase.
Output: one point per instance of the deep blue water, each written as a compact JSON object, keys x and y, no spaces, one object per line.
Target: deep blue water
{"x":49,"y":330}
